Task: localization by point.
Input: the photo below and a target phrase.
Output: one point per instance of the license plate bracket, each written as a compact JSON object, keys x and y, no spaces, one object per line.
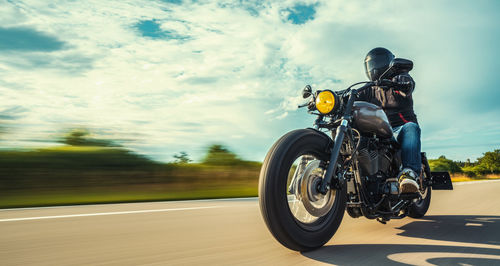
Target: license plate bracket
{"x":441,"y":181}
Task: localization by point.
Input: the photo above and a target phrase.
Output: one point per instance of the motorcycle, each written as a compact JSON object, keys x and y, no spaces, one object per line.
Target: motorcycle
{"x":309,"y":179}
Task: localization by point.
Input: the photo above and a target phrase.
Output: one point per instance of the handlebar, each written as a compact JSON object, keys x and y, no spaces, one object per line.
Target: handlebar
{"x":367,"y":84}
{"x":383,"y":83}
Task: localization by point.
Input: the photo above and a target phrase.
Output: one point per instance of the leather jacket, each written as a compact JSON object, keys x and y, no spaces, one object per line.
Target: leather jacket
{"x":397,"y":101}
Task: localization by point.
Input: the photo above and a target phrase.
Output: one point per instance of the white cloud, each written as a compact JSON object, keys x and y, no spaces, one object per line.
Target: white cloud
{"x":234,"y":77}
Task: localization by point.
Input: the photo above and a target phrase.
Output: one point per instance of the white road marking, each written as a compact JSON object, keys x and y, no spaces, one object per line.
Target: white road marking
{"x":475,"y":182}
{"x":104,"y":213}
{"x":123,"y":203}
{"x":473,"y":224}
{"x":422,"y":258}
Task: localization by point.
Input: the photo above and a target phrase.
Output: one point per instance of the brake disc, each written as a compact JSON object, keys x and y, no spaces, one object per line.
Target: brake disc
{"x":314,"y":202}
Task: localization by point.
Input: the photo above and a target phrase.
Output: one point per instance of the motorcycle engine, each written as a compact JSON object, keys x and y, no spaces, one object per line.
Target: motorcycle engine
{"x":374,"y":162}
{"x":373,"y":157}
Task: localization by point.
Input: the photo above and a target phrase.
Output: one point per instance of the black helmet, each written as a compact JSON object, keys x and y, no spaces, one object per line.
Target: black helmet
{"x":377,"y":62}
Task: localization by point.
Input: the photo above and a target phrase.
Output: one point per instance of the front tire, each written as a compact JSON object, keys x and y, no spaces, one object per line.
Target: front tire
{"x":273,"y":199}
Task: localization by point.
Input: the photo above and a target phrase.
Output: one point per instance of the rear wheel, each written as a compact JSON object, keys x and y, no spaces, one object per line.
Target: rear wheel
{"x":420,"y":206}
{"x":297,"y":215}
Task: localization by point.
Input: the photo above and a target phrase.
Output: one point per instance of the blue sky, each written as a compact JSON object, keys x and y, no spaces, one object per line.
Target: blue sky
{"x":162,"y":77}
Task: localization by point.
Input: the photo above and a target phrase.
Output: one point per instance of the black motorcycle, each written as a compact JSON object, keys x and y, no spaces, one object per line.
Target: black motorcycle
{"x":308,"y":179}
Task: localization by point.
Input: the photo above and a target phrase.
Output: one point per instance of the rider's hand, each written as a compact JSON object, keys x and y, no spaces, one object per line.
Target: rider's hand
{"x":385,"y":83}
{"x":403,"y":83}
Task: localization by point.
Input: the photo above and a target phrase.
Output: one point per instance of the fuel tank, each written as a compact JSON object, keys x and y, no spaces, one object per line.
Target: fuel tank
{"x":370,"y":118}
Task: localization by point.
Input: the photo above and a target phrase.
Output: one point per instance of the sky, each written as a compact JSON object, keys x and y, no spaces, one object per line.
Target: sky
{"x":161,"y":77}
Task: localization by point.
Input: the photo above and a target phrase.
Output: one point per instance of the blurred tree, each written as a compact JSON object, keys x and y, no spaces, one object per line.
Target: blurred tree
{"x":474,"y":170}
{"x":443,"y":164}
{"x":219,"y":155}
{"x":81,"y":137}
{"x":490,"y":161}
{"x":182,"y":158}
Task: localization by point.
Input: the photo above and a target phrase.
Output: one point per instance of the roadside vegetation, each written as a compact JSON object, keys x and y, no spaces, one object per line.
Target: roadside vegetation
{"x":486,"y":167}
{"x":86,"y":170}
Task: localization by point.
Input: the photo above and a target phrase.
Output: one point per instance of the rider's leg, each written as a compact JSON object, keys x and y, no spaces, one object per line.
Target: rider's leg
{"x":408,"y":137}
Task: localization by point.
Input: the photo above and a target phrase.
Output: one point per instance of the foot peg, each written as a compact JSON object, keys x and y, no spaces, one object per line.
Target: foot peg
{"x":409,"y":196}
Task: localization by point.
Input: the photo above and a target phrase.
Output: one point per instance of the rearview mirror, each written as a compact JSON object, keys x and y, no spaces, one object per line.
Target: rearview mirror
{"x":400,"y":65}
{"x":307,"y":91}
{"x":397,"y":66}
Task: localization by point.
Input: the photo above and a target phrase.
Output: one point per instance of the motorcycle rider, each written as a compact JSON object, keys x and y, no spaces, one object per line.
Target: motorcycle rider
{"x":397,"y":102}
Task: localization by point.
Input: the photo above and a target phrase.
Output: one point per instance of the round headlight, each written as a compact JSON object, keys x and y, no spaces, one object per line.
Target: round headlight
{"x":325,"y":102}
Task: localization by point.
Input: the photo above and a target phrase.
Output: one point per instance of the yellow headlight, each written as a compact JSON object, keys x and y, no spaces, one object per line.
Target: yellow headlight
{"x":325,"y":102}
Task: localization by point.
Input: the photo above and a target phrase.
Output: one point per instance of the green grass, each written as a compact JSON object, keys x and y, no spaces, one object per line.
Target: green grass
{"x":464,"y":178}
{"x":55,"y":198}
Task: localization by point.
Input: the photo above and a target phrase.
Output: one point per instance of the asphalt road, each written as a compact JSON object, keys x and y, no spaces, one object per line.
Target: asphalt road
{"x":462,"y":228}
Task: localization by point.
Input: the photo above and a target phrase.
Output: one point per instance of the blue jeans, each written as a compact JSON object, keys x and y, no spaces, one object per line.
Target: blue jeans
{"x":408,"y":136}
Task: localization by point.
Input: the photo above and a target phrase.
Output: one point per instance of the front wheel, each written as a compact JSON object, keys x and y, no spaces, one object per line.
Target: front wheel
{"x":297,"y":215}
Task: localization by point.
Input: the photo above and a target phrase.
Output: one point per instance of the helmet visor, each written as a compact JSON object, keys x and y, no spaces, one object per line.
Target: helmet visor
{"x":381,"y":61}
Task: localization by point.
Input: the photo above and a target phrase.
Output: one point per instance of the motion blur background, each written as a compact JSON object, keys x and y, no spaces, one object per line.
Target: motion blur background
{"x":108,"y":101}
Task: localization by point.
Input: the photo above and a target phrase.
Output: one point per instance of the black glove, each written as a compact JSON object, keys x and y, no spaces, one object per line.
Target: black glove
{"x":404,"y":83}
{"x":385,"y":84}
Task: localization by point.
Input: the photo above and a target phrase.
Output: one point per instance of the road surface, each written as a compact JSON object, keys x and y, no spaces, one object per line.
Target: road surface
{"x":462,"y":228}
